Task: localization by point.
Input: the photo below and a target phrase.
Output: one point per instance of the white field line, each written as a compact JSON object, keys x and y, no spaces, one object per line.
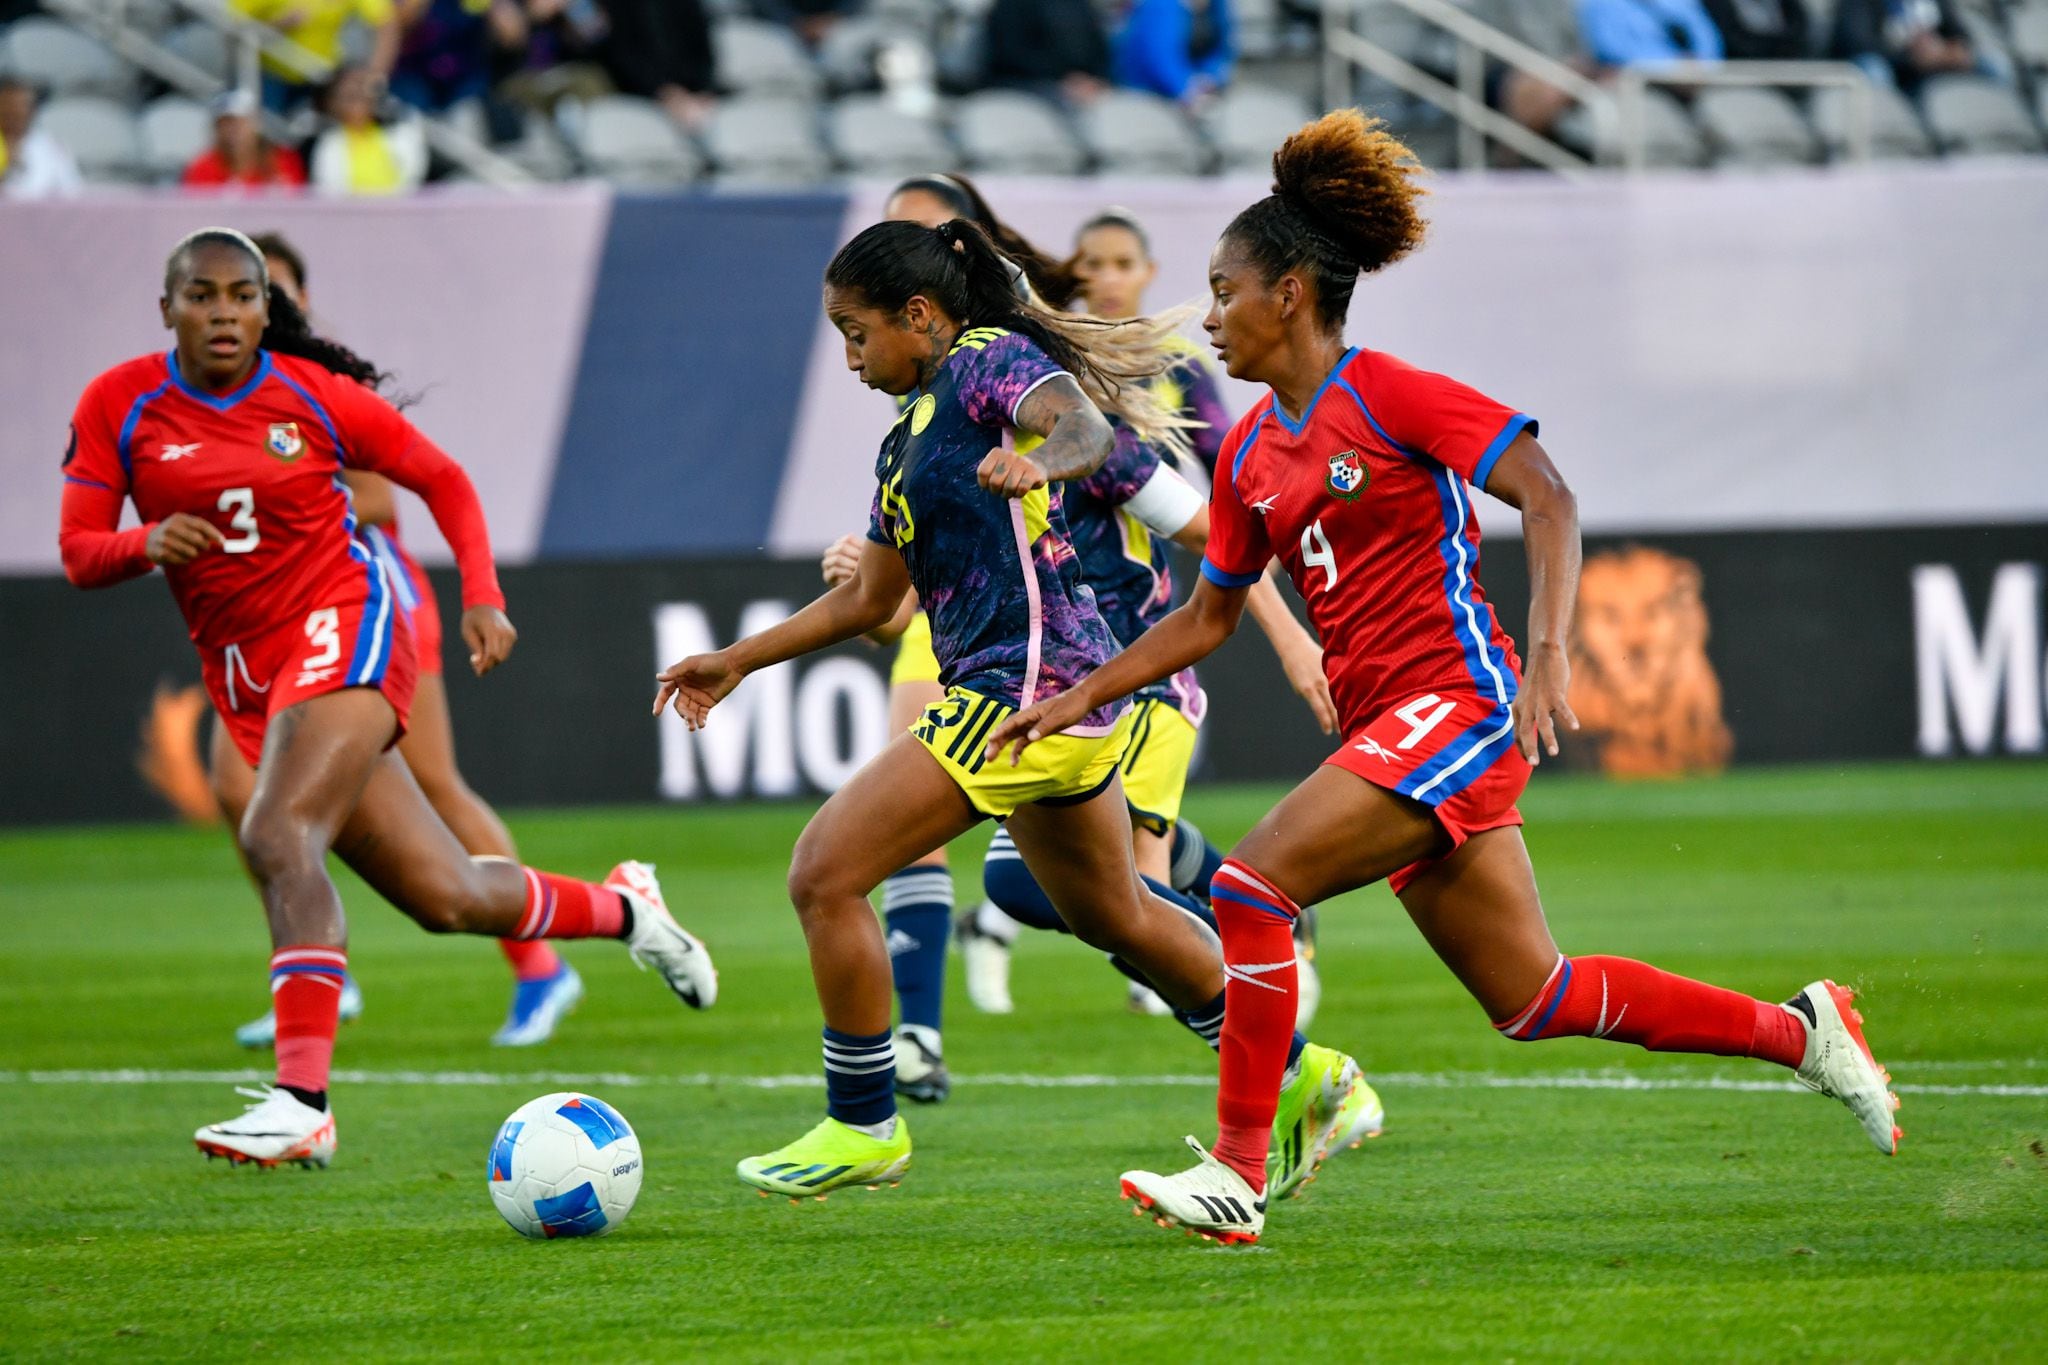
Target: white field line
{"x":1432,"y":1080}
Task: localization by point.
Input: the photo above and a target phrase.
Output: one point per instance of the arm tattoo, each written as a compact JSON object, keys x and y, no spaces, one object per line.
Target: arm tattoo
{"x":1077,"y":437}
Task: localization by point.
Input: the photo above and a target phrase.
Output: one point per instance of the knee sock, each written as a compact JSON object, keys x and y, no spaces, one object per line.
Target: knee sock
{"x":305,"y":991}
{"x":1257,"y":923}
{"x":1009,"y":884}
{"x":531,"y":959}
{"x":562,"y":907}
{"x":917,"y":907}
{"x":1195,"y":860}
{"x":860,"y":1078}
{"x":1633,"y":1002}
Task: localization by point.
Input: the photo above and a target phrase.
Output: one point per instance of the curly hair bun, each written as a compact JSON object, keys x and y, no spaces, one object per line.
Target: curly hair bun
{"x":1357,"y":183}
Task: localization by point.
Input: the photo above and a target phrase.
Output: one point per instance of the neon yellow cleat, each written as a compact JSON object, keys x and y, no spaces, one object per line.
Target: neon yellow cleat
{"x":1361,"y":1117}
{"x":1312,"y":1101}
{"x":828,"y":1157}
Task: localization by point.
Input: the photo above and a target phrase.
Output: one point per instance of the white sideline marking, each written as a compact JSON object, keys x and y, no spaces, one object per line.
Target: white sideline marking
{"x":1432,"y":1080}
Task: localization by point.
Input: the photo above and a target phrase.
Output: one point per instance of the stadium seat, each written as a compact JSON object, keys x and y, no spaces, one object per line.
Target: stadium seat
{"x":872,"y":137}
{"x":766,"y":140}
{"x":756,"y":57}
{"x":1260,"y":26}
{"x":1976,"y":116}
{"x":99,"y":134}
{"x":1896,"y":132}
{"x":1987,"y":38}
{"x":847,"y":55}
{"x":2029,"y":30}
{"x":66,"y":61}
{"x":1003,"y":132}
{"x":1669,"y":136}
{"x":173,"y":131}
{"x":632,"y":142}
{"x":1249,"y":121}
{"x":204,"y":47}
{"x":1754,"y":126}
{"x":1133,"y":133}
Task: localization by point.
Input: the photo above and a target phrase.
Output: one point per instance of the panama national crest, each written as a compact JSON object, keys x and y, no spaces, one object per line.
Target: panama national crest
{"x":1348,"y":476}
{"x":286,"y":443}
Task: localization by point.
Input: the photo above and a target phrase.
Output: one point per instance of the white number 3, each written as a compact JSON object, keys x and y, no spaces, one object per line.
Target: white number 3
{"x":1420,"y":724}
{"x":1316,"y":551}
{"x":240,"y":504}
{"x":323,"y":632}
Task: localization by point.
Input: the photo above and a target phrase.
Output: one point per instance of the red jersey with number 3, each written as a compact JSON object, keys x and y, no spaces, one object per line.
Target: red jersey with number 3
{"x":1366,"y":501}
{"x":260,"y":463}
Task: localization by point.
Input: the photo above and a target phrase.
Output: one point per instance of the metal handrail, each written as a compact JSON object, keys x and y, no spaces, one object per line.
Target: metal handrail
{"x":1632,"y":86}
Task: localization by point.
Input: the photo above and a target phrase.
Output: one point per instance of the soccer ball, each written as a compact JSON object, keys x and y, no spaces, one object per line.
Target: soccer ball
{"x":565,"y":1165}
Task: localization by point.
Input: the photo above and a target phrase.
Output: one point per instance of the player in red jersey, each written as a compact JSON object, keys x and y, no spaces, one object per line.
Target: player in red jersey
{"x":545,"y":986}
{"x":1356,"y":471}
{"x":230,"y":447}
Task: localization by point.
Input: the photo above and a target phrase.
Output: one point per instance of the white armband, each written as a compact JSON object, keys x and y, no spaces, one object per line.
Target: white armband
{"x":1166,"y":503}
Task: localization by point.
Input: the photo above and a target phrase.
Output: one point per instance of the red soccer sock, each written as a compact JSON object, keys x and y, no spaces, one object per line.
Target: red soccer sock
{"x":531,"y":959}
{"x":1256,"y":921}
{"x":562,"y":907}
{"x":1633,"y":1002}
{"x":305,"y":992}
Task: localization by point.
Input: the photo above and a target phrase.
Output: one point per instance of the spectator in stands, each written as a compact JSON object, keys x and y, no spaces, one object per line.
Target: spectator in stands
{"x":1762,"y":30}
{"x":1182,"y":49}
{"x":240,"y":154}
{"x":359,"y":154}
{"x":553,"y":54}
{"x":1903,"y":41}
{"x":444,"y":55}
{"x":811,"y":19}
{"x":1646,"y":32}
{"x":318,"y":26}
{"x":661,"y":50}
{"x":33,"y":165}
{"x":1054,"y":48}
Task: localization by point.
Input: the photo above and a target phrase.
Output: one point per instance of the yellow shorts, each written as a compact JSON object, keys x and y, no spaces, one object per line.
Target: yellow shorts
{"x":1155,"y":765}
{"x":1061,"y":770}
{"x":915,"y":661}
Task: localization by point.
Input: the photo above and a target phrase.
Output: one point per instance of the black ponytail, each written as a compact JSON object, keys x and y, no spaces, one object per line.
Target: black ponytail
{"x":1056,"y":281}
{"x":290,"y":334}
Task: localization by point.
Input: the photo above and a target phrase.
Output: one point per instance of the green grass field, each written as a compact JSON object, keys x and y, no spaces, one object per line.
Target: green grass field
{"x":1523,"y":1204}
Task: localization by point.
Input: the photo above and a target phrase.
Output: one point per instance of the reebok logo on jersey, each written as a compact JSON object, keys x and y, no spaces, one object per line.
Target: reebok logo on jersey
{"x":172,"y":452}
{"x":1348,"y":476}
{"x":1250,"y":972}
{"x":1373,"y":747}
{"x":1265,"y":505}
{"x":313,"y":677}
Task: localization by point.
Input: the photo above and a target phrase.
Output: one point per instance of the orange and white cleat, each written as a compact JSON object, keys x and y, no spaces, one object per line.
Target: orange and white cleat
{"x":279,"y":1129}
{"x":1839,"y":1064}
{"x":1208,"y":1199}
{"x":657,"y":941}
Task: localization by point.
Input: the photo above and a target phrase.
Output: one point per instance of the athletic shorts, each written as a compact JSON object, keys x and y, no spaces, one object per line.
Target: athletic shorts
{"x":367,"y":644}
{"x":1155,"y":765}
{"x":915,"y":661}
{"x":1060,"y":770}
{"x":1454,"y":752}
{"x":415,"y":596}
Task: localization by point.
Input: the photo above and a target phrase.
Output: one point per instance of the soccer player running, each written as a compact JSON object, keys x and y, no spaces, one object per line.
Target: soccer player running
{"x":230,"y":446}
{"x":976,"y":529}
{"x":545,"y":987}
{"x":1355,"y":472}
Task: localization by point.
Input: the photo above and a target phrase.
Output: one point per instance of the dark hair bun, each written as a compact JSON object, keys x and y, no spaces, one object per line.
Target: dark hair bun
{"x":1356,"y":183}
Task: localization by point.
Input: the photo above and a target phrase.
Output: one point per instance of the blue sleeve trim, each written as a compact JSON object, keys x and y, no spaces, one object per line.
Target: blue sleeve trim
{"x":1224,"y":579}
{"x":89,"y":483}
{"x":1516,"y":425}
{"x":333,"y":434}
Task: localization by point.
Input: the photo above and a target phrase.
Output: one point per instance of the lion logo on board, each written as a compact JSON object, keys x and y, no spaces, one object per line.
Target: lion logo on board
{"x":284,"y":441}
{"x":921,"y":415}
{"x":1348,"y":476}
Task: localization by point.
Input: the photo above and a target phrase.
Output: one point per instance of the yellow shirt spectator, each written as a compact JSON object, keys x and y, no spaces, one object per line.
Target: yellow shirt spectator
{"x":316,"y":25}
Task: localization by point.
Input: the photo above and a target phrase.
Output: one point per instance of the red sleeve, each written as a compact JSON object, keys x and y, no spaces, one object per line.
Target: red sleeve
{"x":1238,"y":550}
{"x":289,"y":170}
{"x":206,"y":169}
{"x":377,"y":437}
{"x":95,"y":554}
{"x":1452,"y":423}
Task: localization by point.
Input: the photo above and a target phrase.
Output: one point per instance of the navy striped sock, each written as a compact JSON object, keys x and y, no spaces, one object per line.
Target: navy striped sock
{"x":860,"y":1077}
{"x":1195,"y":860}
{"x":917,"y":908}
{"x":1206,"y":1023}
{"x":1009,"y":884}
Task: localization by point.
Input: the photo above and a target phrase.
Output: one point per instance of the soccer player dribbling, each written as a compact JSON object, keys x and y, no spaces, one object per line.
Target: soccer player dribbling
{"x":976,"y":529}
{"x":1354,"y":471}
{"x":230,"y":446}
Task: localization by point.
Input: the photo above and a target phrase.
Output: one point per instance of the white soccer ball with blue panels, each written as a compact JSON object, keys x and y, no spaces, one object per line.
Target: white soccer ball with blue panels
{"x":565,"y":1165}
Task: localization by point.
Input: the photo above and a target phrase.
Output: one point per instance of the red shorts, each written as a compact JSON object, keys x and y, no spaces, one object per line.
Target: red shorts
{"x":367,"y":644}
{"x":1454,"y":752}
{"x":415,"y":596}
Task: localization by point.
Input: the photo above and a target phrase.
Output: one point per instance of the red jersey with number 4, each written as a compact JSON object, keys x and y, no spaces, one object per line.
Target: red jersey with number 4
{"x":1366,"y":503}
{"x":260,"y":463}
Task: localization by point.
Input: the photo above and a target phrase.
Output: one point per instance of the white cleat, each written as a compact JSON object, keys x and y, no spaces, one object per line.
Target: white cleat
{"x":1308,"y":989}
{"x":1142,"y":999}
{"x":261,"y":1032}
{"x":657,"y":941}
{"x":921,"y":1073}
{"x":985,"y":951}
{"x":1838,"y":1063}
{"x":1208,"y":1199}
{"x":278,"y":1128}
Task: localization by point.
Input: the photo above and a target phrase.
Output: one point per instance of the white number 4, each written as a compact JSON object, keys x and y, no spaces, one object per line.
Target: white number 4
{"x":1316,"y":551}
{"x":323,"y":632}
{"x":240,"y":504}
{"x":1420,"y":724}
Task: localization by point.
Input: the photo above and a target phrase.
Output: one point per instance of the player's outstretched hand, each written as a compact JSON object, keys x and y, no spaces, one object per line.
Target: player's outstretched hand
{"x":490,"y":636}
{"x":697,"y":684}
{"x":181,"y":538}
{"x":1542,"y":704}
{"x":842,"y":560}
{"x":1034,"y":723}
{"x":1304,"y":669}
{"x":1007,"y":474}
